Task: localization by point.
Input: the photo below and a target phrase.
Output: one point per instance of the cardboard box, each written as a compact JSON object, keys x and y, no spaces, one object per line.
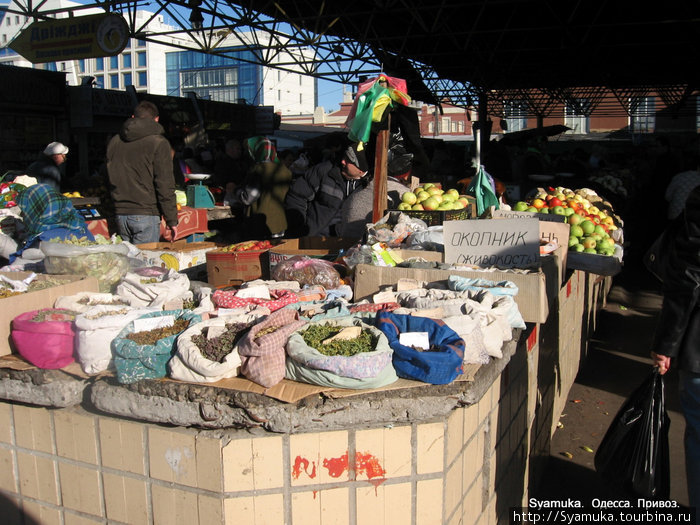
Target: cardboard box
{"x":181,"y":256}
{"x":316,"y":247}
{"x":536,"y":290}
{"x":235,"y":268}
{"x":11,"y":307}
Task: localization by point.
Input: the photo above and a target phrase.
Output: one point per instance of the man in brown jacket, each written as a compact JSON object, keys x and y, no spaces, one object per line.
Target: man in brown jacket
{"x":140,"y":169}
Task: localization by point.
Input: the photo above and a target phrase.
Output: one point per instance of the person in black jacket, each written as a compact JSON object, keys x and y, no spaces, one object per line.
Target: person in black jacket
{"x":140,"y":169}
{"x":677,"y":338}
{"x":314,"y":200}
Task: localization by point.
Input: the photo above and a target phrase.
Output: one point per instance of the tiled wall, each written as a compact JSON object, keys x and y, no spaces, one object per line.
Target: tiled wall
{"x":70,"y":466}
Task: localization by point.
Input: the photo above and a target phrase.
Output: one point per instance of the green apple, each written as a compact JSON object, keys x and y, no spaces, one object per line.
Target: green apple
{"x":409,"y":197}
{"x":404,"y":206}
{"x":520,"y":206}
{"x":430,"y":203}
{"x":418,"y":206}
{"x":558,"y":210}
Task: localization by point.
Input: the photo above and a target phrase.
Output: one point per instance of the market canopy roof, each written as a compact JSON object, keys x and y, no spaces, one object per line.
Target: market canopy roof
{"x":456,"y":49}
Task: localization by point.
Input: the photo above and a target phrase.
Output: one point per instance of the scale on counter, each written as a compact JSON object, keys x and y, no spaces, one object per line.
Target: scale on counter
{"x":86,"y":207}
{"x":198,"y":195}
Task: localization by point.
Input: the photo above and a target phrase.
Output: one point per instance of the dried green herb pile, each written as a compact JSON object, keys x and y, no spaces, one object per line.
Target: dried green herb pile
{"x":317,"y":333}
{"x":36,"y":285}
{"x":107,"y":313}
{"x":217,"y":348}
{"x":151,"y":337}
{"x":51,"y":314}
{"x":116,"y":301}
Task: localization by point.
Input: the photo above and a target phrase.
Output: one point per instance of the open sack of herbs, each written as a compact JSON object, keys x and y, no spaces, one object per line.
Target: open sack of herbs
{"x":153,"y":286}
{"x":11,"y":287}
{"x":95,"y":329}
{"x":346,"y":347}
{"x":206,"y":352}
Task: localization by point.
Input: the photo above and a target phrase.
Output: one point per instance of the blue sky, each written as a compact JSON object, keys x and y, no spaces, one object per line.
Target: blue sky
{"x":330,"y":95}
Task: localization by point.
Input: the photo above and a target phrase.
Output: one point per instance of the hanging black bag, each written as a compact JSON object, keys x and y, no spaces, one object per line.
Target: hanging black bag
{"x":634,"y":451}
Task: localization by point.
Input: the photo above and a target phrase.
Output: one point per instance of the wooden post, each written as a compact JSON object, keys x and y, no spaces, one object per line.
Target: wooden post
{"x":380,"y":172}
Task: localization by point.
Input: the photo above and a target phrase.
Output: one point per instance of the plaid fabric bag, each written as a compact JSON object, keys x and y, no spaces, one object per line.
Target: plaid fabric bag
{"x":262,"y":350}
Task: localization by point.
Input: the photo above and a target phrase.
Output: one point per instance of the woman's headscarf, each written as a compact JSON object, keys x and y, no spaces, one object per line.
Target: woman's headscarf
{"x":45,"y":209}
{"x":261,"y":149}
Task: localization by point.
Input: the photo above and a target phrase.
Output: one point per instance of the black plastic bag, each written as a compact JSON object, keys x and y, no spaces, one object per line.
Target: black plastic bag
{"x":634,"y":451}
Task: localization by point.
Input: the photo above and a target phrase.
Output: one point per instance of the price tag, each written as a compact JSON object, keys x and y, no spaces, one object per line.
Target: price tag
{"x":215,"y":331}
{"x":416,"y":339}
{"x":152,"y":323}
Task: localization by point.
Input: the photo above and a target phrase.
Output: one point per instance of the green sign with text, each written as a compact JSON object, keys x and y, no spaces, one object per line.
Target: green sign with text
{"x":103,"y":34}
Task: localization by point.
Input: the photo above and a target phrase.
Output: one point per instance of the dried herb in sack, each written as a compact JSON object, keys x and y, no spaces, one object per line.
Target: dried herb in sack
{"x":316,"y":334}
{"x":217,"y":348}
{"x":151,"y":337}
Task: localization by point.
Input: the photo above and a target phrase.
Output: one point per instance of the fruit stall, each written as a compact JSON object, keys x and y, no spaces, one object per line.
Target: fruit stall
{"x":278,"y":372}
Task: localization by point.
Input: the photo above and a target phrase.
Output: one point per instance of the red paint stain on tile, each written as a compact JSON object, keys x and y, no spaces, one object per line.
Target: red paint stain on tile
{"x":303,"y":464}
{"x":336,"y":466}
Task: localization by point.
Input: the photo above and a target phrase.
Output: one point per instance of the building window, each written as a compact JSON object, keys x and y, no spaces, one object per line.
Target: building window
{"x":17,"y":20}
{"x":431,"y":128}
{"x":126,"y":60}
{"x":142,"y":78}
{"x":461,"y":126}
{"x":444,"y":125}
{"x":515,"y":112}
{"x":301,"y":98}
{"x":114,"y":62}
{"x":9,"y":21}
{"x":301,"y":78}
{"x":279,"y":75}
{"x":454,"y":127}
{"x":575,"y":116}
{"x":279,"y":94}
{"x":114,"y":81}
{"x":141,"y":43}
{"x":81,"y":65}
{"x":4,"y":39}
{"x":128,"y":44}
{"x":100,"y":81}
{"x":99,"y":64}
{"x":642,"y":114}
{"x":127,"y":79}
{"x":141,"y":59}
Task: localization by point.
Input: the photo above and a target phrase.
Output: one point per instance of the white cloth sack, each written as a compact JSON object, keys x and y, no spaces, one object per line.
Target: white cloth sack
{"x":95,"y":331}
{"x":174,"y":285}
{"x":83,"y":301}
{"x":188,"y":363}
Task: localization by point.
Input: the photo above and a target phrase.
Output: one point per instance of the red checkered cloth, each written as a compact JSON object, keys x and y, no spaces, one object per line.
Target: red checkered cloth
{"x":263,"y":358}
{"x":228,"y":299}
{"x":374,"y":307}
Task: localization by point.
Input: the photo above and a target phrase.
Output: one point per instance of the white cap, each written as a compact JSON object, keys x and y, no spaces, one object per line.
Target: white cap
{"x":56,"y":148}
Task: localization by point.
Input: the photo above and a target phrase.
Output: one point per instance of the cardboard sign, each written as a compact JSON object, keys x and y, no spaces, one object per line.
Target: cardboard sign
{"x":511,"y":214}
{"x":151,"y":323}
{"x":506,"y":243}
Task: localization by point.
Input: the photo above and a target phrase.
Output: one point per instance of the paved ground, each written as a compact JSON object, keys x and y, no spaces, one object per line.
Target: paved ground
{"x":617,"y":362}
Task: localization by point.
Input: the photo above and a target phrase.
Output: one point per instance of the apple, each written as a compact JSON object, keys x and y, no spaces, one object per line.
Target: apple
{"x":538,"y":203}
{"x":463,"y":200}
{"x":430,"y":203}
{"x":554,"y":201}
{"x":404,"y":206}
{"x":587,"y":226}
{"x":589,"y":250}
{"x":520,"y":206}
{"x":578,"y":247}
{"x":576,"y":231}
{"x":532,"y":209}
{"x":589,"y":242}
{"x":558,"y":210}
{"x":575,"y":219}
{"x":434,"y":190}
{"x":428,"y":185}
{"x":543,"y":210}
{"x":569,"y":212}
{"x":409,"y":197}
{"x":421,"y":196}
{"x":573,"y":241}
{"x":453,"y":191}
{"x":418,"y":206}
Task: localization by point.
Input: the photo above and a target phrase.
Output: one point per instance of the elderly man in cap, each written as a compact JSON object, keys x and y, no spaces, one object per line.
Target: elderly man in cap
{"x":47,"y":169}
{"x":314,"y":200}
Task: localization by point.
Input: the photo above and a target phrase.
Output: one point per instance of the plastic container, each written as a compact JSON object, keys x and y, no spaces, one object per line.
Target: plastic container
{"x":108,"y":263}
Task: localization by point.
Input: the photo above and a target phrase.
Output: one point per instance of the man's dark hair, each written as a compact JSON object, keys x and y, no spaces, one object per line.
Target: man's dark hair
{"x":146,"y":109}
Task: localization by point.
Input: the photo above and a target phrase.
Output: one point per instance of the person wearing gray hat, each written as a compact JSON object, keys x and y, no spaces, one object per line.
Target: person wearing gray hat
{"x":314,"y":200}
{"x":48,"y":168}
